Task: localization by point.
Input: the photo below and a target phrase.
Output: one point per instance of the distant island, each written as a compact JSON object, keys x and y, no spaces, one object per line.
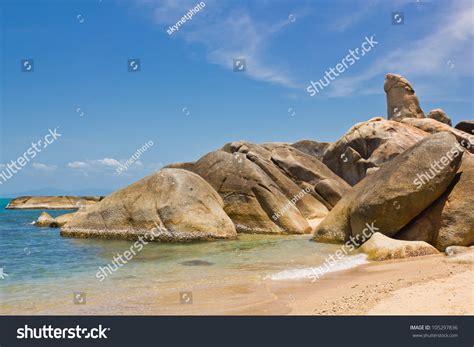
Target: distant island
{"x":52,"y":202}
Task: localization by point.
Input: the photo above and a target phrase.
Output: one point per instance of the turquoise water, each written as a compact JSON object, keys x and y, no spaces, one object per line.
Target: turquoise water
{"x":44,"y":268}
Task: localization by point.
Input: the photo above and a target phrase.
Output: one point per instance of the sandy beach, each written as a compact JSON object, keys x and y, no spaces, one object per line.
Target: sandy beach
{"x":432,"y":285}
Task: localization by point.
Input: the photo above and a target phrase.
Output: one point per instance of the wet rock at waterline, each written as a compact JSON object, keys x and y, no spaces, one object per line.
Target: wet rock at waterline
{"x":45,"y":220}
{"x":170,"y":205}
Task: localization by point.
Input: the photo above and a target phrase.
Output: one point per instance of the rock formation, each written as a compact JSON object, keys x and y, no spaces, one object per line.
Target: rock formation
{"x":411,"y":179}
{"x":402,"y":101}
{"x":270,"y":188}
{"x":396,"y":193}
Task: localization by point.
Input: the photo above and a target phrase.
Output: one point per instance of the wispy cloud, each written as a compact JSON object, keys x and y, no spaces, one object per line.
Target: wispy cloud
{"x":94,"y":166}
{"x":44,"y":167}
{"x":430,"y":56}
{"x":227,"y":34}
{"x":362,"y":9}
{"x":109,"y":166}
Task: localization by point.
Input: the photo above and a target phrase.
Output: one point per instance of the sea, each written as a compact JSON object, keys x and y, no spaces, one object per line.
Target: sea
{"x":42,"y":272}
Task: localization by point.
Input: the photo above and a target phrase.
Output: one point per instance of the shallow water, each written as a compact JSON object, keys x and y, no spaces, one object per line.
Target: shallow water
{"x":45,"y":269}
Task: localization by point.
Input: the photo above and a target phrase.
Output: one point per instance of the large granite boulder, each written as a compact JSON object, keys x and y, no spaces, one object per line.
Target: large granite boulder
{"x":251,"y":198}
{"x":169,"y":205}
{"x":432,"y":126}
{"x":310,"y":205}
{"x":64,"y":219}
{"x":313,"y":148}
{"x":381,"y":247}
{"x":402,"y":101}
{"x":303,"y":169}
{"x":369,"y":145}
{"x":270,"y":188}
{"x":439,"y":115}
{"x":467,"y":126}
{"x":450,"y":219}
{"x":395,"y":194}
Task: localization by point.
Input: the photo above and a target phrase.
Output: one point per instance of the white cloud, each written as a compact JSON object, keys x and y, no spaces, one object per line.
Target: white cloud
{"x":44,"y":167}
{"x":78,"y":165}
{"x":109,"y":162}
{"x":102,"y":166}
{"x":98,"y":165}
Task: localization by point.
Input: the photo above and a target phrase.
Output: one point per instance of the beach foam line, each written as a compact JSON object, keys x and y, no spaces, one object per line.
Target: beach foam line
{"x":304,"y":273}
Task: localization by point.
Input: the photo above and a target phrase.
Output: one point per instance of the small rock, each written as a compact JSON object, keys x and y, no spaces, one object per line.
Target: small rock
{"x":45,"y":220}
{"x":454,"y":250}
{"x":381,"y":247}
{"x":439,"y":115}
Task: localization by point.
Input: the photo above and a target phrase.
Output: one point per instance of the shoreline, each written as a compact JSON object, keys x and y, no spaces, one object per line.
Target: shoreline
{"x":429,"y":285}
{"x":387,"y":288}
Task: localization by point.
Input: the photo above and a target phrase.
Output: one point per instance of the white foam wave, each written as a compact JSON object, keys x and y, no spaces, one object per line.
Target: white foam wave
{"x":309,"y":272}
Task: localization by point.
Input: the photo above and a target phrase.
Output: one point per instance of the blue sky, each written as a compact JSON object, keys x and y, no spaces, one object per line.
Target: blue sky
{"x":187,"y":99}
